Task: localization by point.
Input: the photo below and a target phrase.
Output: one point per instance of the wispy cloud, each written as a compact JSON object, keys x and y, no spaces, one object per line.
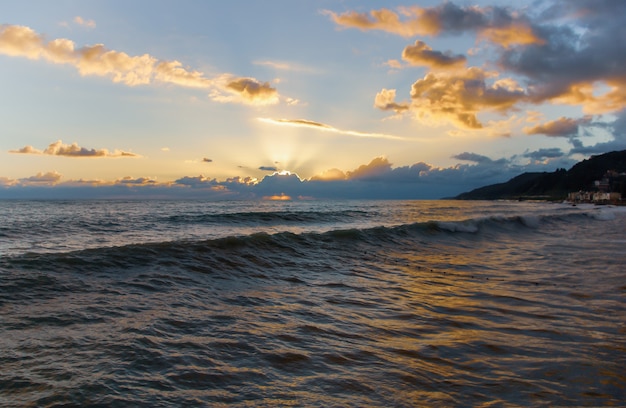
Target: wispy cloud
{"x":22,"y":41}
{"x":496,"y":24}
{"x":84,"y":22}
{"x":58,"y":148}
{"x":285,"y":66}
{"x":328,"y":128}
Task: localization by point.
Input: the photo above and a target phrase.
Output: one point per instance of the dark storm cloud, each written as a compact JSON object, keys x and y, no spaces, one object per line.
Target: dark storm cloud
{"x":576,"y":56}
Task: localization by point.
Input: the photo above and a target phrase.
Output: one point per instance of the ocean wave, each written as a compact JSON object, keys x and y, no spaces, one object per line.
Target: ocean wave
{"x":262,"y":249}
{"x":270,"y":218}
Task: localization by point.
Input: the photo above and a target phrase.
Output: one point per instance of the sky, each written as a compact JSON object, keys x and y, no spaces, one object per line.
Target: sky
{"x":296,"y":100}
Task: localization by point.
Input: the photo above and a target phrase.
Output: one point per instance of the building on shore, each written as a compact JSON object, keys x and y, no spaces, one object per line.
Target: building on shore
{"x":597,"y":197}
{"x":606,"y":190}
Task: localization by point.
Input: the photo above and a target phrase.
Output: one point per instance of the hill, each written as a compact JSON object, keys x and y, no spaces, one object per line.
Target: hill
{"x":556,"y":185}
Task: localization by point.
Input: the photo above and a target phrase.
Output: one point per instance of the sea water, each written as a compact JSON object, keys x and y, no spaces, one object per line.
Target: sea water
{"x":311,"y":303}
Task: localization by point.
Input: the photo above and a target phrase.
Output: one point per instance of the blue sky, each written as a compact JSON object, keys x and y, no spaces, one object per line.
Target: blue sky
{"x":315,"y":99}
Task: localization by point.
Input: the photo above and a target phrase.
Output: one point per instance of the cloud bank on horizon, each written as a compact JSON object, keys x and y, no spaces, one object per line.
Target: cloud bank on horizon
{"x":525,"y":63}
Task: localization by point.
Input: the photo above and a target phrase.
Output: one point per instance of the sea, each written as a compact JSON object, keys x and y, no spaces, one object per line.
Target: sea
{"x":149,"y":303}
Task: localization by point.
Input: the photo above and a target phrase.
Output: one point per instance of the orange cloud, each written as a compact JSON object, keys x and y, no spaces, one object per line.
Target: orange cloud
{"x":562,"y":127}
{"x":516,"y":33}
{"x":49,"y":178}
{"x":384,"y":20}
{"x":423,"y":55}
{"x":585,"y":95}
{"x":385,"y":100}
{"x":330,"y":175}
{"x":456,"y":97}
{"x":249,"y":91}
{"x":58,"y":148}
{"x":495,"y":24}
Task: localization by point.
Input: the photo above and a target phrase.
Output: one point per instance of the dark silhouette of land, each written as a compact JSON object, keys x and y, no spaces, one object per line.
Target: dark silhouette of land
{"x":609,"y":169}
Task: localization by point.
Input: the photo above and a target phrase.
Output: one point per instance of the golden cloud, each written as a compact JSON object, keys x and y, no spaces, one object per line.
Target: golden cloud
{"x":456,"y":97}
{"x":585,"y":95}
{"x":21,"y":41}
{"x":58,"y":148}
{"x":423,"y":55}
{"x":516,"y":33}
{"x":385,"y":100}
{"x":48,"y":178}
{"x":562,"y":126}
{"x":488,"y":22}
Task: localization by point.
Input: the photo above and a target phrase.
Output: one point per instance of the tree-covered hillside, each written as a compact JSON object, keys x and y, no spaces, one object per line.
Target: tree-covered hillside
{"x":558,"y":184}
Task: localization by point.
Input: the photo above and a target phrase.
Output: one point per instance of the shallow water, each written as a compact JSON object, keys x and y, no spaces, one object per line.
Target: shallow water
{"x":357,"y":303}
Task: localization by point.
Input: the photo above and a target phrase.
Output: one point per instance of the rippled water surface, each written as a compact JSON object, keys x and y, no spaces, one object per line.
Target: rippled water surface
{"x":357,"y":303}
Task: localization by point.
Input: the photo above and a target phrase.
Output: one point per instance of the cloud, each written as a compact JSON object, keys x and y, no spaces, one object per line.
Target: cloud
{"x":284,"y":66}
{"x":7,"y":182}
{"x":472,"y":157}
{"x":47,"y":179}
{"x":495,"y":24}
{"x":58,"y":148}
{"x":140,"y":181}
{"x":304,"y":123}
{"x":196,"y":181}
{"x":562,"y":127}
{"x":423,"y":55}
{"x":84,"y":22}
{"x":268,"y":168}
{"x":385,"y":100}
{"x":173,"y":72}
{"x":207,"y":160}
{"x":581,"y":62}
{"x":376,"y":179}
{"x":617,"y":129}
{"x":244,"y":90}
{"x":21,"y":41}
{"x":565,"y":53}
{"x":543,"y":154}
{"x":329,"y":175}
{"x":371,"y":171}
{"x":456,"y":97}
